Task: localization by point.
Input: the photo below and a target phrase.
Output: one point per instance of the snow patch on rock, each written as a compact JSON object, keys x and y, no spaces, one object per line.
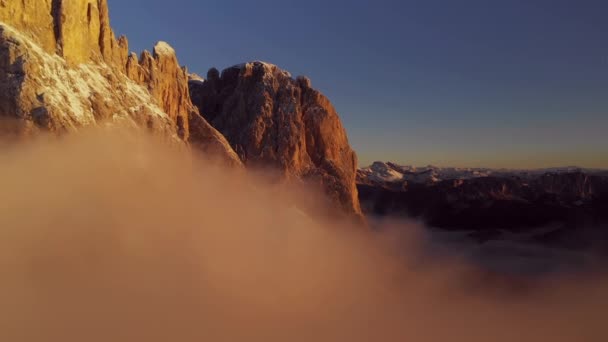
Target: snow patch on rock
{"x":80,"y":95}
{"x":195,"y":78}
{"x":163,"y":48}
{"x":269,"y":68}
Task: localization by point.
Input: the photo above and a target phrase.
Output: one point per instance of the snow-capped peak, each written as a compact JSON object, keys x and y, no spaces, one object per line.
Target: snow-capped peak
{"x":163,"y":48}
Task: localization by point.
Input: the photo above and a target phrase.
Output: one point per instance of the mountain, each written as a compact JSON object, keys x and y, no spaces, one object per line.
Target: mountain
{"x":273,"y":120}
{"x":486,"y":200}
{"x":61,"y":68}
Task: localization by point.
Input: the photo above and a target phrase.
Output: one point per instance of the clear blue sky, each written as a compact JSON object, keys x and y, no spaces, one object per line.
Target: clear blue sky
{"x":500,"y":83}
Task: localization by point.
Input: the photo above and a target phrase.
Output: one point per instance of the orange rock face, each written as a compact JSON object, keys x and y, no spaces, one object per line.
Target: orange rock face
{"x":82,"y":31}
{"x":161,"y":73}
{"x":33,"y":18}
{"x":77,"y":30}
{"x":271,"y":119}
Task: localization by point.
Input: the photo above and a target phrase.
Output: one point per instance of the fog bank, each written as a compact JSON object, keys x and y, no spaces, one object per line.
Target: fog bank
{"x":115,"y":237}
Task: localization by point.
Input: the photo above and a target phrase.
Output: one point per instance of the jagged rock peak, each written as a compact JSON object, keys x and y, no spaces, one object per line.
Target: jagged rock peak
{"x":256,"y":65}
{"x":62,"y":68}
{"x":271,"y":119}
{"x":166,"y":80}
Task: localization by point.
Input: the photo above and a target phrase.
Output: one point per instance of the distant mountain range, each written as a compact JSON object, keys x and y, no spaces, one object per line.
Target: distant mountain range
{"x":390,"y":172}
{"x":488,"y":202}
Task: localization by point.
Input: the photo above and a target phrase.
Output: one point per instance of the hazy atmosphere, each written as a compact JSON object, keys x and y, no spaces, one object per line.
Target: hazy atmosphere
{"x":470,"y":83}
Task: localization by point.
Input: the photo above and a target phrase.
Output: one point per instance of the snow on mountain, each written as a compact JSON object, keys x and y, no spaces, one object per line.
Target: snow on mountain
{"x":268,"y":67}
{"x":391,"y":173}
{"x":394,"y":173}
{"x":163,"y":48}
{"x":81,"y":95}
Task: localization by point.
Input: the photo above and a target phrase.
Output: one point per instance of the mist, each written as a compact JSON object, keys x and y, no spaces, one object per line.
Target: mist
{"x":119,"y":237}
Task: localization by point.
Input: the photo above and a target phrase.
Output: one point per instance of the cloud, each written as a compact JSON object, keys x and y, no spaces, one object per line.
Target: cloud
{"x":117,"y":237}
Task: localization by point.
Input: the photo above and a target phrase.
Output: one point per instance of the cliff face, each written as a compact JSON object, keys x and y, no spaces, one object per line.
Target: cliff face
{"x":273,"y":120}
{"x":77,"y":30}
{"x":33,"y":18}
{"x":61,"y":68}
{"x":44,"y":92}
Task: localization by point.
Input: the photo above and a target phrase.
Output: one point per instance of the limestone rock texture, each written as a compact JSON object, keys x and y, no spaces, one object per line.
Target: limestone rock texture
{"x":166,"y":81}
{"x":33,"y":18}
{"x":273,"y":120}
{"x":77,"y":30}
{"x":62,"y":68}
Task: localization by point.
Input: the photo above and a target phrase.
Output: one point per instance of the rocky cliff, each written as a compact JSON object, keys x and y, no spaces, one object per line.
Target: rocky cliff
{"x":62,"y":68}
{"x":273,"y":120}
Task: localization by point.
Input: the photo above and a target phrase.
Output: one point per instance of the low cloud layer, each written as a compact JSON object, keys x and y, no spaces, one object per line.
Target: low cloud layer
{"x":114,"y":237}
